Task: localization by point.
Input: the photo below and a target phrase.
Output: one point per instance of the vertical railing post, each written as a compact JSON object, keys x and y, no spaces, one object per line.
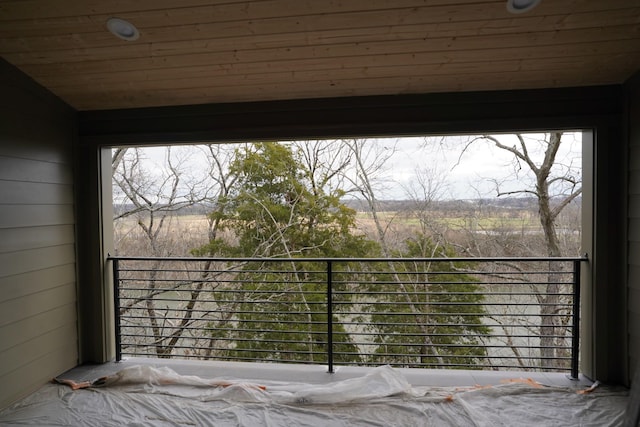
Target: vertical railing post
{"x":575,"y":338}
{"x":330,"y":316}
{"x":116,"y":307}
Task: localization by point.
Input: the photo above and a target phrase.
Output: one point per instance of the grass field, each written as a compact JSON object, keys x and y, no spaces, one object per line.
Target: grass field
{"x":181,"y":233}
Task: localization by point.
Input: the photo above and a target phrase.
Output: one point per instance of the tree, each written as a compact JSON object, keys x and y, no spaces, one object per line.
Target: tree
{"x":424,"y":193}
{"x":152,"y":201}
{"x":220,"y":181}
{"x":279,"y":208}
{"x":440,"y":324}
{"x":281,"y":201}
{"x":435,"y":315}
{"x":549,"y":175}
{"x":366,"y":179}
{"x":556,"y":185}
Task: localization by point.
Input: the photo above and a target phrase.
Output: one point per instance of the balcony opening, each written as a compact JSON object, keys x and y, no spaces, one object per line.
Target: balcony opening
{"x":304,"y":272}
{"x":455,"y":252}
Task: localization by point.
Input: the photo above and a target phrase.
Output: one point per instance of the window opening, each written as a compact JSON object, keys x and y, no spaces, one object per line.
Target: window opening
{"x":502,"y":196}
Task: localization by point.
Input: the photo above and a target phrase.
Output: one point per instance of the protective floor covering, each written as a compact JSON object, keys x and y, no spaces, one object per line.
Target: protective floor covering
{"x":148,"y":396}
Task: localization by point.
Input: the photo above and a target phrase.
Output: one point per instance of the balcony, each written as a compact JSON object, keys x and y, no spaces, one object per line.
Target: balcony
{"x":459,"y":334}
{"x":495,"y":314}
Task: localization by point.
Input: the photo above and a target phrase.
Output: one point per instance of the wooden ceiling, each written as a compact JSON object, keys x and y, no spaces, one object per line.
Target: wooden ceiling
{"x":213,"y":51}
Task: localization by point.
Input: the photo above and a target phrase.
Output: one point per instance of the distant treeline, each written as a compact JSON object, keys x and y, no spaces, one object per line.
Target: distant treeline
{"x":508,"y":203}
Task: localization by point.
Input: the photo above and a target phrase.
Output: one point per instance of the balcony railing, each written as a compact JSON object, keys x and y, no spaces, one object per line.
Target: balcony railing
{"x":457,"y":313}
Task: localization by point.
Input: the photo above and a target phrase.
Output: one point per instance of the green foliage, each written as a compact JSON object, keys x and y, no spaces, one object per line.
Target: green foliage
{"x":279,"y":308}
{"x":274,"y":211}
{"x":437,"y":308}
{"x":281,"y":314}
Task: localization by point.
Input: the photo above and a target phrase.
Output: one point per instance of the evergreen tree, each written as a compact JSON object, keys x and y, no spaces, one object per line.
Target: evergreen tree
{"x":429,"y":313}
{"x":273,"y":213}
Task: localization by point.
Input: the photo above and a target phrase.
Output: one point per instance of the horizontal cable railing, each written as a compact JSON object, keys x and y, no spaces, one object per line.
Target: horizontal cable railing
{"x":457,"y":313}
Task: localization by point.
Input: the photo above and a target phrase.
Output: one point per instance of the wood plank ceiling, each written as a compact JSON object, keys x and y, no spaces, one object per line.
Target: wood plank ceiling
{"x":204,"y":51}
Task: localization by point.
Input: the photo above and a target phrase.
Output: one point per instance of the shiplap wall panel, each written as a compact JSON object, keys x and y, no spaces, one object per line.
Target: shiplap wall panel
{"x":46,"y":152}
{"x":634,"y":341}
{"x":634,"y":270}
{"x":21,"y":331}
{"x":28,"y":170}
{"x":26,"y":352}
{"x":31,"y":215}
{"x":38,"y":307}
{"x":36,"y":281}
{"x":19,"y":239}
{"x":19,"y":262}
{"x":31,"y":305}
{"x":634,"y":180}
{"x":634,"y":208}
{"x":633,"y":292}
{"x":634,"y":344}
{"x":31,"y":376}
{"x":36,"y":193}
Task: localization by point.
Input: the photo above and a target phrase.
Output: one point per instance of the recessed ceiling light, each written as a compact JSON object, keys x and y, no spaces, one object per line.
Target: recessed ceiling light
{"x":521,"y":6}
{"x":123,"y":29}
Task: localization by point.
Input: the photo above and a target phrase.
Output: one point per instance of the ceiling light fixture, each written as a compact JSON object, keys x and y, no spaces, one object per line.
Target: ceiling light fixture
{"x":123,"y":29}
{"x":521,"y":6}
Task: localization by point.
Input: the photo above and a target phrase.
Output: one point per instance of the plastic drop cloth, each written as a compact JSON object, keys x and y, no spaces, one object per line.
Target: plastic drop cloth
{"x":147,"y":396}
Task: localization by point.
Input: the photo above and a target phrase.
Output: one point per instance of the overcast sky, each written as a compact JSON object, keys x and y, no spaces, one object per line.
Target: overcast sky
{"x":471,"y":169}
{"x":465,"y":174}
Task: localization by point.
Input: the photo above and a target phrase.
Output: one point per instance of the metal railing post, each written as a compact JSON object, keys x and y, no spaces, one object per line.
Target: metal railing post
{"x":116,"y":308}
{"x":330,"y":316}
{"x":575,"y":336}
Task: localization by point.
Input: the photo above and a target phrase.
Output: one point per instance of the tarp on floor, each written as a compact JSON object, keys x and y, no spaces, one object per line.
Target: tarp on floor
{"x":147,"y":396}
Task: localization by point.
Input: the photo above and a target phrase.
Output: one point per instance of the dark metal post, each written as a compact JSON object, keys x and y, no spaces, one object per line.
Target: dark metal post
{"x":330,"y":316}
{"x":575,"y":338}
{"x":116,"y":307}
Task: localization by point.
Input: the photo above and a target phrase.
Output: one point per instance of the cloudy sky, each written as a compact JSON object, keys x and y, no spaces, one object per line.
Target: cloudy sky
{"x":463,"y":170}
{"x":471,"y":169}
